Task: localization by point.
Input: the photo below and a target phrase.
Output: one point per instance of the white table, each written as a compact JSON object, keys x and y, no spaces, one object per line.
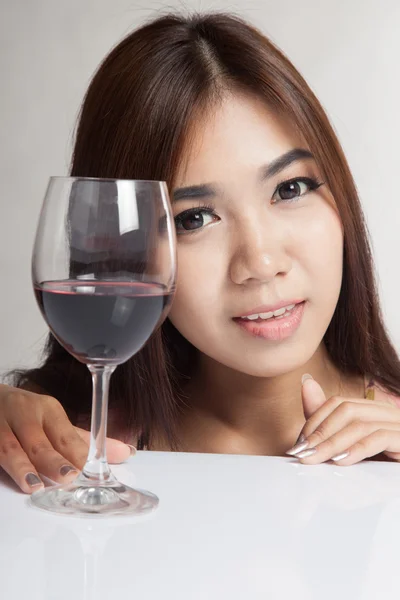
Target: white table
{"x":228,"y":527}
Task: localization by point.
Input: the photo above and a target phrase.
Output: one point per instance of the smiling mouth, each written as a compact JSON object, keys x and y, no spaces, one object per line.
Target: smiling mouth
{"x":274,"y":326}
{"x":280,"y":313}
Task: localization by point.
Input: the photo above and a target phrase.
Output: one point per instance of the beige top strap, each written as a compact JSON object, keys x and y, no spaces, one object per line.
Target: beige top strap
{"x":369,"y":389}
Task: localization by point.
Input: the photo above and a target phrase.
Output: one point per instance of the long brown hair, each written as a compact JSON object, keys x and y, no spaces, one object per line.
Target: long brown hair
{"x":134,"y":122}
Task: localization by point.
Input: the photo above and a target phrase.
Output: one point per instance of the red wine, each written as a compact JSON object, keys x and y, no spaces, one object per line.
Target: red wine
{"x":102,"y":322}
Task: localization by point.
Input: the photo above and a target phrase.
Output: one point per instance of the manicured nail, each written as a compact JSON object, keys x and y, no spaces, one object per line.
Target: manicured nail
{"x":305,"y":377}
{"x":300,"y":439}
{"x":297,"y":448}
{"x":67,"y":469}
{"x":132,"y":449}
{"x":33,"y":480}
{"x":306,"y":453}
{"x":341,"y":456}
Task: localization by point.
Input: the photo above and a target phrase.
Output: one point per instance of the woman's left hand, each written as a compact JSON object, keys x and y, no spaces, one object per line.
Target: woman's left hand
{"x":347,"y":430}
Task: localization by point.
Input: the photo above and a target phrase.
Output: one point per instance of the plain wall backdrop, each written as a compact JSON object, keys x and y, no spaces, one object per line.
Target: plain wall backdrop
{"x":348,"y":50}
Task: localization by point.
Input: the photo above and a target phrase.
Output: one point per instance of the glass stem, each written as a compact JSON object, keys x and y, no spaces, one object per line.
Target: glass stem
{"x":96,"y":468}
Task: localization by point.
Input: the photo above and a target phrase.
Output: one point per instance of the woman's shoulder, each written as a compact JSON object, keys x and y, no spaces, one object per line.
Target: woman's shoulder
{"x":30,"y":386}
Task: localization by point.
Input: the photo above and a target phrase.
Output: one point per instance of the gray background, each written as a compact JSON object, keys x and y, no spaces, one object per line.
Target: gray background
{"x":348,"y":50}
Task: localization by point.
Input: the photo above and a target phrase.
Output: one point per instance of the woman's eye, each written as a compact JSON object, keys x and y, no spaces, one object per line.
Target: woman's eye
{"x":295,"y":188}
{"x":191,"y":220}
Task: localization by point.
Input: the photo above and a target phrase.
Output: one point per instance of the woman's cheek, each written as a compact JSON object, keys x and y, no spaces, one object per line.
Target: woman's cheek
{"x":321,"y":240}
{"x":198,"y":278}
{"x":322,"y":258}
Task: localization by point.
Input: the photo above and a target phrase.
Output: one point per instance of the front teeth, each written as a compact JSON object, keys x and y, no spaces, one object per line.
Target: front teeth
{"x":269,"y":315}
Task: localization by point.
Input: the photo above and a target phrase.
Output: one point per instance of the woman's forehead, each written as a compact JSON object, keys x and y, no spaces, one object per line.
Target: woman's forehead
{"x":241,"y":131}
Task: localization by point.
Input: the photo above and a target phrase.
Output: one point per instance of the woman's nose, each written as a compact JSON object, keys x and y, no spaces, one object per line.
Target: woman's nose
{"x":259,"y":256}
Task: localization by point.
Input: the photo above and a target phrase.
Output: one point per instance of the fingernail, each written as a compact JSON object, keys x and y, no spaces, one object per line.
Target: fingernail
{"x":297,"y":448}
{"x":300,"y":439}
{"x":67,"y":469}
{"x":341,"y":456}
{"x":306,"y":453}
{"x":132,"y":449}
{"x":33,"y":480}
{"x":305,"y":377}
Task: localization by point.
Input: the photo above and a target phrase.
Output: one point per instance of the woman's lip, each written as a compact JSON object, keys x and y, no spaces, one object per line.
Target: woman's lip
{"x":274,"y":329}
{"x":264,"y":309}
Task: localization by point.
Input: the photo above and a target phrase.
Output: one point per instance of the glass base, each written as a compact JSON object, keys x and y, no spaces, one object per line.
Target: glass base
{"x":91,"y":498}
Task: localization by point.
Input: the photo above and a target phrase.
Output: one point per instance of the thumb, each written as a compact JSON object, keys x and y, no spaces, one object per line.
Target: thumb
{"x":312,"y":395}
{"x":117,"y":451}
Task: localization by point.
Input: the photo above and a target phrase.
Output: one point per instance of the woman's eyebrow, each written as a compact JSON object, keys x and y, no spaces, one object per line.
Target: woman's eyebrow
{"x":201,"y":192}
{"x":194,"y":192}
{"x":284,"y":161}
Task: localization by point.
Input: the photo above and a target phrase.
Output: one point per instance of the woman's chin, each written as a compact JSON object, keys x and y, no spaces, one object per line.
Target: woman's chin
{"x":266,"y":367}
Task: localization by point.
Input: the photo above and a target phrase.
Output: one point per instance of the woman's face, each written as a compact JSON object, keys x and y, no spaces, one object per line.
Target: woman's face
{"x":256,"y":233}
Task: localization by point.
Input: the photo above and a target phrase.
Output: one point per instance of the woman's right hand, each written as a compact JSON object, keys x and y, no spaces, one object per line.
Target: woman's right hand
{"x":36,"y":436}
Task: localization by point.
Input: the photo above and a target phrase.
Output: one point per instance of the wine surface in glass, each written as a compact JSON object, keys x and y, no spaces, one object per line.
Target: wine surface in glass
{"x":100,"y":321}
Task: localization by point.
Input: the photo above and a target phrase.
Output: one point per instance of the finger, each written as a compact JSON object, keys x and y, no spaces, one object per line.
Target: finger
{"x":349,"y":437}
{"x":392,"y":455}
{"x":66,"y":440}
{"x":382,"y":440}
{"x":343,"y":411}
{"x":312,"y":394}
{"x":316,"y":407}
{"x":42,"y":454}
{"x":117,"y":451}
{"x":15,"y":462}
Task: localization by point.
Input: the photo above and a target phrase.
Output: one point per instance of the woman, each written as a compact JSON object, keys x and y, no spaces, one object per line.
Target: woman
{"x":275,"y":275}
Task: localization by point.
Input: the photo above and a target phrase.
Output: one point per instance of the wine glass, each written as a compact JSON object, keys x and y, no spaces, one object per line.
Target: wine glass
{"x":103,"y":270}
